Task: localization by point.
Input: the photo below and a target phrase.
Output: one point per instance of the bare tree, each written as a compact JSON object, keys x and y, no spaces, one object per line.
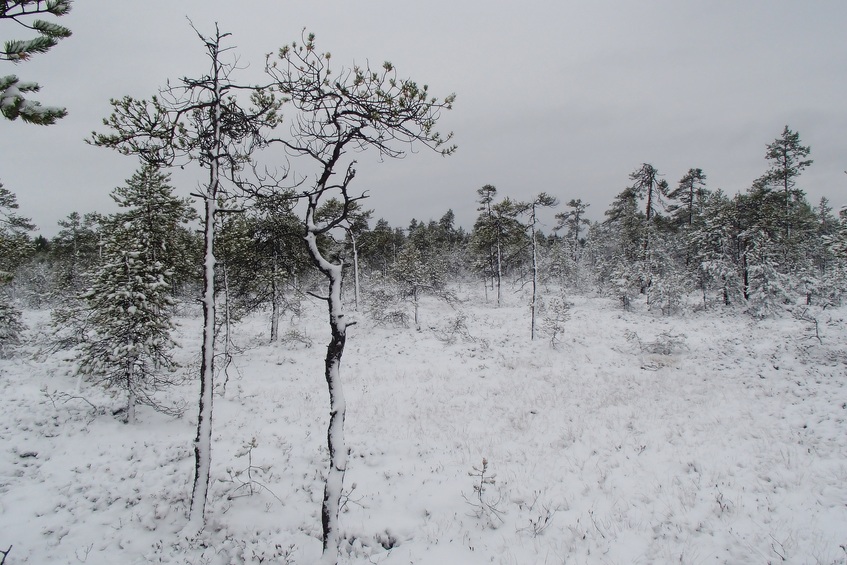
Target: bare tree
{"x":200,"y":120}
{"x":355,"y":109}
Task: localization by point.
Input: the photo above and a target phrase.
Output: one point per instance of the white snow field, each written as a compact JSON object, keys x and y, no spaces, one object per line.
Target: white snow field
{"x":703,"y":438}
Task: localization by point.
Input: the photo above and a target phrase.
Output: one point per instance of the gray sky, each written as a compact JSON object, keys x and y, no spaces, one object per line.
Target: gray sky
{"x":564,"y":97}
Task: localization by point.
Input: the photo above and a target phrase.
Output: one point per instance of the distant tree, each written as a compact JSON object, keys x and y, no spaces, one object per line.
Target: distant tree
{"x":483,"y":237}
{"x":648,"y":186}
{"x":627,"y":221}
{"x":689,"y":197}
{"x":543,"y":200}
{"x":13,"y":101}
{"x":76,"y":249}
{"x":573,"y":221}
{"x":498,"y":236}
{"x":379,"y":246}
{"x":278,"y":256}
{"x":336,"y":112}
{"x":788,"y":159}
{"x":716,"y":244}
{"x":414,"y":277}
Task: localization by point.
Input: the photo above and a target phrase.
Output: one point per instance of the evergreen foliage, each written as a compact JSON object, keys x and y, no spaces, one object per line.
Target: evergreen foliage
{"x":415,"y":276}
{"x":128,"y":311}
{"x":15,"y":247}
{"x":76,"y":249}
{"x":14,"y":103}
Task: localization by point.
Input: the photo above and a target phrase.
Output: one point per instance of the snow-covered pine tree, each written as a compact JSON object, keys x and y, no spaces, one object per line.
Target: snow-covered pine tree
{"x":75,"y":250}
{"x":543,"y":200}
{"x":150,"y":208}
{"x":768,"y":287}
{"x":14,"y":103}
{"x":416,"y":276}
{"x":714,"y":241}
{"x":498,"y":237}
{"x":128,"y":309}
{"x":15,"y":245}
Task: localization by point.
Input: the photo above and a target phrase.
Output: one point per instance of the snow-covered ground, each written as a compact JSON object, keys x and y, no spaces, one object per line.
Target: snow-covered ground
{"x":703,"y":438}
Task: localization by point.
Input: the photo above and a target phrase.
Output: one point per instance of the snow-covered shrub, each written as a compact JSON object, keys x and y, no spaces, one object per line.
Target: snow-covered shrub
{"x":385,"y":307}
{"x":666,"y":292}
{"x":665,"y":343}
{"x":555,"y":311}
{"x":454,"y":329}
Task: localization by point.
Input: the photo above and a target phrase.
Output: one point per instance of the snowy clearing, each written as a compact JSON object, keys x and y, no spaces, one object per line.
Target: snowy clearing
{"x":705,"y":438}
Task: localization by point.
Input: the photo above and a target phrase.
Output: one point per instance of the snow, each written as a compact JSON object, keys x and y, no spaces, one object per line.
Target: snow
{"x":731,"y":448}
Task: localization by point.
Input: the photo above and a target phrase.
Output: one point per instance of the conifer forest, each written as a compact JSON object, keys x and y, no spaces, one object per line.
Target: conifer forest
{"x":259,"y":367}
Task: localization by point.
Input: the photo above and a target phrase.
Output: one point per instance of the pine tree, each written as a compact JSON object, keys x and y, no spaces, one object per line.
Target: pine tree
{"x":151,"y":210}
{"x":566,"y":260}
{"x":716,"y":245}
{"x":337,"y":112}
{"x":278,"y":252}
{"x":573,"y":221}
{"x":498,"y":237}
{"x":128,"y":311}
{"x":787,"y":158}
{"x":416,"y":277}
{"x":13,"y":92}
{"x":15,"y":246}
{"x":689,"y":196}
{"x":627,"y":221}
{"x":543,"y":200}
{"x":76,"y":248}
{"x":648,"y":186}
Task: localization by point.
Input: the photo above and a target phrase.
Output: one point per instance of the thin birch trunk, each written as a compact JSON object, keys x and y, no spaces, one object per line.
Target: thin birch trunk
{"x":275,"y":299}
{"x":534,"y":276}
{"x":355,"y":272}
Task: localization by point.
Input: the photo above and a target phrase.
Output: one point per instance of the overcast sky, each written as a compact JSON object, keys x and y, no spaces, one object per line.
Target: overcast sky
{"x":564,"y":97}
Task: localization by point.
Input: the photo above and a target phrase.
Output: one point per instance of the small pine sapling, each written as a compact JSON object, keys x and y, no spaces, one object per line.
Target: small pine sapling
{"x":248,"y":481}
{"x":483,"y":504}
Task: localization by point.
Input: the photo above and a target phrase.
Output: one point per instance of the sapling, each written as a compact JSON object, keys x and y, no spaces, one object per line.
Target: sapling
{"x":247,"y":479}
{"x":483,"y":504}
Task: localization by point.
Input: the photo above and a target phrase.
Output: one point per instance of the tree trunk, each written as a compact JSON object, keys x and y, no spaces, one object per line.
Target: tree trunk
{"x":227,"y":353}
{"x":130,"y":397}
{"x":335,"y":431}
{"x":534,"y":276}
{"x":203,"y":439}
{"x":415,"y":298}
{"x":499,"y":270}
{"x":355,"y":272}
{"x":275,"y":302}
{"x":337,"y":405}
